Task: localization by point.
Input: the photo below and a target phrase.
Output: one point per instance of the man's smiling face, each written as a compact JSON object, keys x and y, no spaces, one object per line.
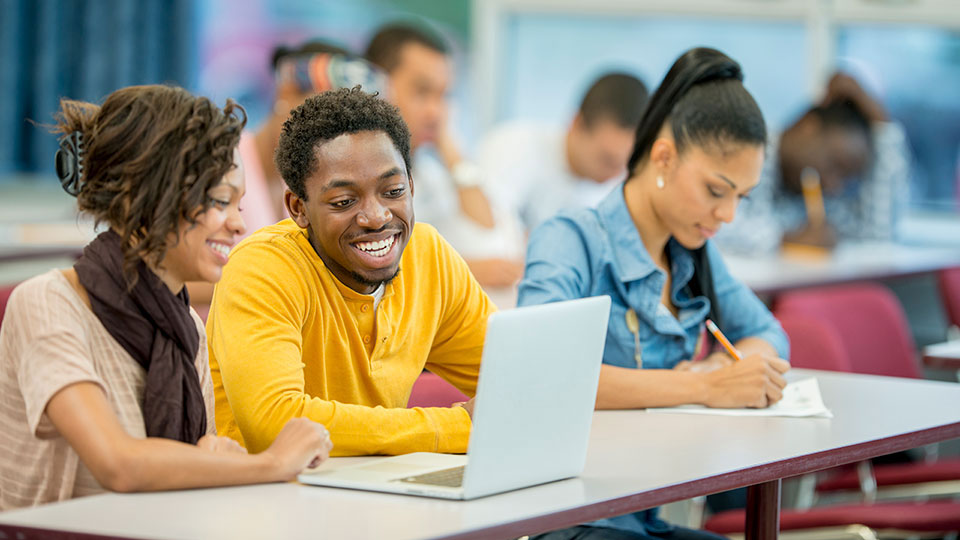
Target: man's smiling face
{"x":359,"y":208}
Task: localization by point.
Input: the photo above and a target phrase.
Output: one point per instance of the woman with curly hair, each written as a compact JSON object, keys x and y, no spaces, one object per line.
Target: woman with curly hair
{"x":104,"y":380}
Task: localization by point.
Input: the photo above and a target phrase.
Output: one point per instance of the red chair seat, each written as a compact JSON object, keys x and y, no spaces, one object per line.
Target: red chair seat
{"x":917,"y":517}
{"x":895,"y":475}
{"x":431,"y":391}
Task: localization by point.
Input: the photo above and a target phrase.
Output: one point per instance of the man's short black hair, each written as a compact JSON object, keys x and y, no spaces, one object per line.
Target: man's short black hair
{"x":385,"y":46}
{"x":615,"y":96}
{"x":326,"y":116}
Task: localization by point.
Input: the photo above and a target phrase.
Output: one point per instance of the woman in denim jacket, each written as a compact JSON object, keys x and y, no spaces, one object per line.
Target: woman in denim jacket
{"x":699,"y":150}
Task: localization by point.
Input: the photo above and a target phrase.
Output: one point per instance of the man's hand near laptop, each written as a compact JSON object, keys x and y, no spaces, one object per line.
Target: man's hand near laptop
{"x":468,"y":405}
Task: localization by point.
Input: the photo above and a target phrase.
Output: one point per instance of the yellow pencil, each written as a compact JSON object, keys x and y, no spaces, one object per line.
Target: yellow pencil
{"x":731,"y":350}
{"x":813,"y":196}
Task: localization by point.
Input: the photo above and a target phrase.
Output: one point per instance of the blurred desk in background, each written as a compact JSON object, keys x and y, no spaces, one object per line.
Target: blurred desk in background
{"x":927,"y":242}
{"x":40,"y":228}
{"x":16,"y":253}
{"x":769,"y":274}
{"x":944,"y":355}
{"x":930,"y":229}
{"x":29,"y":249}
{"x":75,"y":233}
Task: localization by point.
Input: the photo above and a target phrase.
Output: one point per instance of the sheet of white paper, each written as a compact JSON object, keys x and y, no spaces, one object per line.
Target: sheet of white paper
{"x":800,"y":398}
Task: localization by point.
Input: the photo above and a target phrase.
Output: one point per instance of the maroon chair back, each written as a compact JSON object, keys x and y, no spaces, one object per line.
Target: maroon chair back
{"x":869,"y":321}
{"x":950,"y":292}
{"x":431,"y":391}
{"x":813,"y":343}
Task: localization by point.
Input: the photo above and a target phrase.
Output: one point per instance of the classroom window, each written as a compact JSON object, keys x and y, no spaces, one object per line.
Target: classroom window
{"x":547,"y":60}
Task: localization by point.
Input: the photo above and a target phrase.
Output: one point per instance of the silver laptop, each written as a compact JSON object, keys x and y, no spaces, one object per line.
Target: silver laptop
{"x":535,"y":400}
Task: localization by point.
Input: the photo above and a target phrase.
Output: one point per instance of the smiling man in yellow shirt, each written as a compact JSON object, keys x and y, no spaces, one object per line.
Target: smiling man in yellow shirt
{"x":332,"y":314}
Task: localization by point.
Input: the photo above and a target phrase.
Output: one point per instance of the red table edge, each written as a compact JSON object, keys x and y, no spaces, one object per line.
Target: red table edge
{"x":941,"y":362}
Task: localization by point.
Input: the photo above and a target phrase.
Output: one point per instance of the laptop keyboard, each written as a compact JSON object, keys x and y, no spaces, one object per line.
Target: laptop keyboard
{"x":446,"y":477}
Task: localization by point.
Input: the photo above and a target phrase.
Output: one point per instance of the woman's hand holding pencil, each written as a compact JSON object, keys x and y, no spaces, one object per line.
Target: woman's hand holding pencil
{"x":722,"y":339}
{"x":752,"y":380}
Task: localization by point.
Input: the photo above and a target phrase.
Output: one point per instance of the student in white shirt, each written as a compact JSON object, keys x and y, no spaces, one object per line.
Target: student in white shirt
{"x":448,"y":193}
{"x":534,"y":171}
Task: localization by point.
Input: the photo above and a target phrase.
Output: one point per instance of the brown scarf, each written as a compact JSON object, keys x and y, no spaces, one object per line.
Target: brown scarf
{"x":155,"y":327}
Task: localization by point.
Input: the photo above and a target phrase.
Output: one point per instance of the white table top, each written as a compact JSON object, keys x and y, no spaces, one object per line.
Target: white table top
{"x":946,"y":349}
{"x":849,"y":262}
{"x":636,"y":460}
{"x":944,"y":355}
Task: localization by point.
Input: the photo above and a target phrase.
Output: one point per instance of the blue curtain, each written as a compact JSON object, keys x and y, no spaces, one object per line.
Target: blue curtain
{"x":82,"y":49}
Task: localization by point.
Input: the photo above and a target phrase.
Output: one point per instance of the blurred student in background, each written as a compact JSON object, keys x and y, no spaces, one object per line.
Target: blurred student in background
{"x":449,"y":196}
{"x":300,"y":72}
{"x":535,"y":170}
{"x":698,"y":151}
{"x":104,"y":380}
{"x":861,"y":158}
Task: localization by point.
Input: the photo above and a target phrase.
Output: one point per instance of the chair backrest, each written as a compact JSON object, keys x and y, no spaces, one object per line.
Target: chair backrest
{"x":869,"y":320}
{"x":814,"y":344}
{"x":950,"y":292}
{"x":431,"y":391}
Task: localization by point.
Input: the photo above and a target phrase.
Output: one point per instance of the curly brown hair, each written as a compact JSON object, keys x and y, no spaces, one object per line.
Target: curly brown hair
{"x":151,"y":154}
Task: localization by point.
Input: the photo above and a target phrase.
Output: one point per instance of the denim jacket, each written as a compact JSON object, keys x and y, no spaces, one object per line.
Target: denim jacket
{"x":591,"y":252}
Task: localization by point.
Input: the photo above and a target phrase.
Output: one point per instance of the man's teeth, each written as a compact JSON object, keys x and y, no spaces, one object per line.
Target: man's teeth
{"x":377,"y":249}
{"x":220,"y":248}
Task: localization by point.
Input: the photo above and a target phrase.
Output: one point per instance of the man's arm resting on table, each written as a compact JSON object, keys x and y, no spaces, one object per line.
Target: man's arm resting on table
{"x":355,"y":429}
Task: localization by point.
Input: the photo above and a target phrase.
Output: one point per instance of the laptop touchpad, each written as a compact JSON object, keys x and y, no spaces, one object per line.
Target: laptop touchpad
{"x":392,"y":467}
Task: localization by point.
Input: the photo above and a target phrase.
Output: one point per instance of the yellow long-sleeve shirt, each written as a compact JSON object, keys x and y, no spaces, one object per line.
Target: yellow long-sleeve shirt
{"x":287,"y":339}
